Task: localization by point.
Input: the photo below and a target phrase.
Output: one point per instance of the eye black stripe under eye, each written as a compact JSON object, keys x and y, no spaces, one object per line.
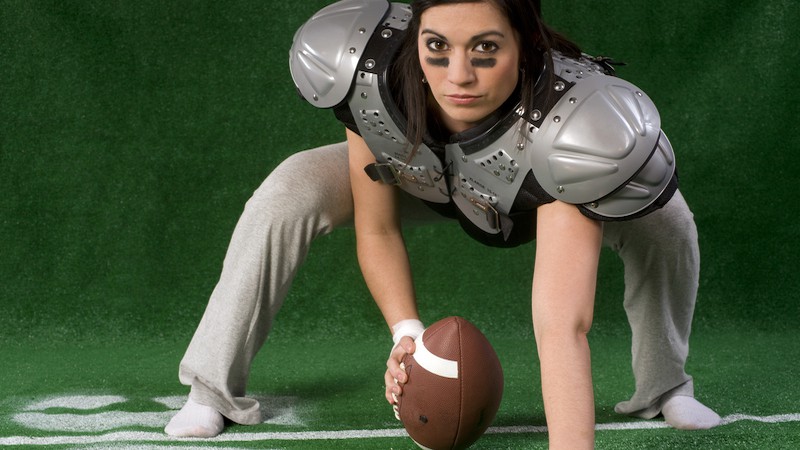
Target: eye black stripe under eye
{"x":483,"y":62}
{"x":439,"y":62}
{"x":476,"y":62}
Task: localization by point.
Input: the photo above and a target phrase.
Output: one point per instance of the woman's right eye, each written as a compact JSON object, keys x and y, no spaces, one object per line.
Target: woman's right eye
{"x":437,"y":45}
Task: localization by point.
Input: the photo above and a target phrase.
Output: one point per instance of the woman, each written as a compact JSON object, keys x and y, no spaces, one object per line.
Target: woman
{"x":476,"y":64}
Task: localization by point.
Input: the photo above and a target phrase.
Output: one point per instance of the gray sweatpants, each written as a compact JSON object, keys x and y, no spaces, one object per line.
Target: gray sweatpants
{"x":308,"y":195}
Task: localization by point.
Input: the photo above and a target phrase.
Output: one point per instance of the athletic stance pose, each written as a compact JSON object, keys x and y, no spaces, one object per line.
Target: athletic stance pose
{"x":480,"y":112}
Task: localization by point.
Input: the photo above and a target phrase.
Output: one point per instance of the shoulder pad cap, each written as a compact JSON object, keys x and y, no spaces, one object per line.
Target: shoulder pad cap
{"x":597,"y":137}
{"x":327,"y":48}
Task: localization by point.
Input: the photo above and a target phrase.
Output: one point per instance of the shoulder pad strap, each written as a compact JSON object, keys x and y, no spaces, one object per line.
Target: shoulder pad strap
{"x":327,"y":48}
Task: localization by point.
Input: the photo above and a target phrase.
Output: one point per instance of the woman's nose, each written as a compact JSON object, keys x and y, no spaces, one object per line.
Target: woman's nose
{"x":460,"y":70}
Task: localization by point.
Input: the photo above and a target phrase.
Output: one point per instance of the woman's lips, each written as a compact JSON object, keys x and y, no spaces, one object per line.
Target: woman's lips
{"x":462,"y":99}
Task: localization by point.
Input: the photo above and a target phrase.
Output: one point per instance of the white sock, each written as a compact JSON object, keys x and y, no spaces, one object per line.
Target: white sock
{"x":686,"y":413}
{"x":195,"y":420}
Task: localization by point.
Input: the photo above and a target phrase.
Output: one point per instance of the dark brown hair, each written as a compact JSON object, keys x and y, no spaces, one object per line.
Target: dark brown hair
{"x":537,"y":41}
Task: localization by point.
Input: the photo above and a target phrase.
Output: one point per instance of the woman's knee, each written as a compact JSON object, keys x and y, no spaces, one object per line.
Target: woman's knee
{"x":311,"y":182}
{"x":675,"y":222}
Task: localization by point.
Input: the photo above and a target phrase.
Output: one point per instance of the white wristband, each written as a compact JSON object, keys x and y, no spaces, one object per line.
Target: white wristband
{"x":409,"y":327}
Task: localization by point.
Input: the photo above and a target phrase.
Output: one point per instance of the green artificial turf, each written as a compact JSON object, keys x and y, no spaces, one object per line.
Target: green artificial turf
{"x":333,"y":390}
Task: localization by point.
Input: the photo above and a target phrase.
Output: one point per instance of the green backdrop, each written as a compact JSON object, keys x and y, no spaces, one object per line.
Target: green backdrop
{"x":133,"y":132}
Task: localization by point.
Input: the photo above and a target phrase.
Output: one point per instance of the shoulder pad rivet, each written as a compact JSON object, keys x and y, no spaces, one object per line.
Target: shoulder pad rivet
{"x":557,"y":119}
{"x":316,"y":97}
{"x":560,"y":189}
{"x":559,"y":86}
{"x":520,"y":146}
{"x":362,"y":30}
{"x":363,"y":95}
{"x":386,"y":34}
{"x":536,"y":114}
{"x":369,"y":64}
{"x":352,"y":50}
{"x":573,"y":100}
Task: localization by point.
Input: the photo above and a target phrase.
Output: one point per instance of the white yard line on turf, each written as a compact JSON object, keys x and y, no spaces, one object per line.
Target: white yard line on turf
{"x":141,"y":436}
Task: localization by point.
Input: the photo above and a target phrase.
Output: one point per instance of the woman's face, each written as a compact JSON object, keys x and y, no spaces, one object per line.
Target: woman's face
{"x":470,"y":57}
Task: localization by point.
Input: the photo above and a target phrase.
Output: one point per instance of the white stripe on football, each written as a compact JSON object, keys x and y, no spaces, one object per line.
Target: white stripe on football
{"x":434,"y":364}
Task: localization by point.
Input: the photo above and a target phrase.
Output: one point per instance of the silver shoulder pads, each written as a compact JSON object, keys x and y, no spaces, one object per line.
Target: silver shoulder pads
{"x":601,"y":145}
{"x":327,"y":48}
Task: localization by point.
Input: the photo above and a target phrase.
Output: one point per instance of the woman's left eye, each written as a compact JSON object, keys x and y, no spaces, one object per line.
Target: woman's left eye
{"x":486,"y":47}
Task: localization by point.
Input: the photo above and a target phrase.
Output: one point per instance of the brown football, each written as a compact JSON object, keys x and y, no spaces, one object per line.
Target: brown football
{"x":454,"y":388}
